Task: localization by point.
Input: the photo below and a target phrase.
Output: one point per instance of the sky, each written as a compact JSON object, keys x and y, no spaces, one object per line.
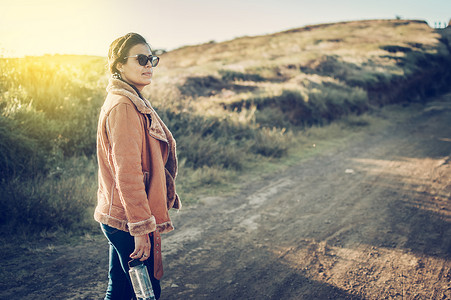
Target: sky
{"x":37,"y":27}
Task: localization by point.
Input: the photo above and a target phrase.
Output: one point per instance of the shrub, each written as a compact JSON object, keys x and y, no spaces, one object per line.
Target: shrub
{"x":271,"y":142}
{"x":20,"y":155}
{"x":61,"y":198}
{"x":229,"y":75}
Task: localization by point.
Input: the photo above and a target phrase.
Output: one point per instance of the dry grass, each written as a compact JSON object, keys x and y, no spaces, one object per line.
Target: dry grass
{"x":362,"y":55}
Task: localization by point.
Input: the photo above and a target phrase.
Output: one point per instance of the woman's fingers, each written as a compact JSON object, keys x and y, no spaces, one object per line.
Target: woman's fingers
{"x":144,"y":256}
{"x":142,"y":248}
{"x":140,"y":254}
{"x":137,"y":253}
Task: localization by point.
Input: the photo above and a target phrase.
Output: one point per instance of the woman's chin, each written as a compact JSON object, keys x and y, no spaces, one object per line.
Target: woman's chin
{"x":147,"y":80}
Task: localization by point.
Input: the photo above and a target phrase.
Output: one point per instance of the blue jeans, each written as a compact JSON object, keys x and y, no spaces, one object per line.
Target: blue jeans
{"x":122,"y":245}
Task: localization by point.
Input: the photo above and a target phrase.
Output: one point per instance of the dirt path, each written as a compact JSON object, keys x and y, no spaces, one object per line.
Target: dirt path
{"x":369,"y":221}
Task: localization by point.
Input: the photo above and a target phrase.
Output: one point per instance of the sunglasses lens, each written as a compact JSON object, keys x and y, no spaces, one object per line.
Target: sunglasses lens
{"x":142,"y":59}
{"x":155,"y":60}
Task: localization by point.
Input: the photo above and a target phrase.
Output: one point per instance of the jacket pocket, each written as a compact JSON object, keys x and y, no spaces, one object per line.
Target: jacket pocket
{"x":146,"y":181}
{"x":170,"y":186}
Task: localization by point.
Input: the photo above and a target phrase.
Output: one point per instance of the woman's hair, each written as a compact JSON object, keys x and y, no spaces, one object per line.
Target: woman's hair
{"x":120,"y":47}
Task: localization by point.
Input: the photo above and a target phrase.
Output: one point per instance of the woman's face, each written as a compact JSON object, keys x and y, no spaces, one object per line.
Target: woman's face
{"x":132,"y":72}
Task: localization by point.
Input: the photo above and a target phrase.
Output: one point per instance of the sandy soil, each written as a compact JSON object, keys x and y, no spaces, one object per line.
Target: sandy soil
{"x":371,"y":220}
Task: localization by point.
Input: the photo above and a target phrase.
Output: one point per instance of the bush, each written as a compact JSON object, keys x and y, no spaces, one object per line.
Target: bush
{"x":63,"y":198}
{"x":229,"y":75}
{"x":202,"y":151}
{"x":271,"y":142}
{"x":20,"y":155}
{"x":320,"y":106}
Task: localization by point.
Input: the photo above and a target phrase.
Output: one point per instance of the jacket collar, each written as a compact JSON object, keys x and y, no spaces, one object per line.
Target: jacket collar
{"x":157,"y":127}
{"x":119,"y":87}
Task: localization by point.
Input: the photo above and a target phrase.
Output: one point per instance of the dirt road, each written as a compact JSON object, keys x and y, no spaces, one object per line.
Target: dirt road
{"x":371,"y":220}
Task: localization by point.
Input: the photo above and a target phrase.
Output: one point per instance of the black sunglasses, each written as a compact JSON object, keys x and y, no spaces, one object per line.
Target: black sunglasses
{"x":143,"y":59}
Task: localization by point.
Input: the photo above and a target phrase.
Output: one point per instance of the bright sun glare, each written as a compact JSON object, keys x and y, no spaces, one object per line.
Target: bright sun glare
{"x":38,"y":27}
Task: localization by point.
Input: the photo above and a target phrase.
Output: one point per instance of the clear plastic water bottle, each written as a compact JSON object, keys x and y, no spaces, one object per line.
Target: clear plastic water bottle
{"x":140,"y":280}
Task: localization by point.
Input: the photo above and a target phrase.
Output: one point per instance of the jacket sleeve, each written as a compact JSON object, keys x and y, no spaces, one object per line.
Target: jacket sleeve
{"x":126,"y":135}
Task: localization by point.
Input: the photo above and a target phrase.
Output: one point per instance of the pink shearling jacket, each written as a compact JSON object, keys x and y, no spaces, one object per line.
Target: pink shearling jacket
{"x":137,"y":164}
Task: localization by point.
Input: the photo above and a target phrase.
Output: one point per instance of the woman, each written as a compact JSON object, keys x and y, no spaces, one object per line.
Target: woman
{"x":137,"y":167}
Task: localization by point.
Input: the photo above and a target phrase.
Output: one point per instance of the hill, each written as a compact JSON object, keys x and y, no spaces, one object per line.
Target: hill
{"x":315,"y":73}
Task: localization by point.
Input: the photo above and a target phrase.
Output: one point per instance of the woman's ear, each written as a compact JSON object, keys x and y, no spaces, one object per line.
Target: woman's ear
{"x":119,"y":67}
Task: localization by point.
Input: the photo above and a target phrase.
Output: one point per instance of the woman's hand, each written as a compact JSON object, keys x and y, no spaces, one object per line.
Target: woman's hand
{"x":142,"y":248}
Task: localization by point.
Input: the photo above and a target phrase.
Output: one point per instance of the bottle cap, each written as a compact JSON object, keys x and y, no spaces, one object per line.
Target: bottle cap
{"x":134,"y":263}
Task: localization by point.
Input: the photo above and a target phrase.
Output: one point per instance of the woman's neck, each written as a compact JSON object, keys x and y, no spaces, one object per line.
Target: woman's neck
{"x":134,"y":87}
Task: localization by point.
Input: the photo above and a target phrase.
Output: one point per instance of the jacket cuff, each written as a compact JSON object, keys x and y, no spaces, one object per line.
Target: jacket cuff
{"x":165,"y":227}
{"x":142,"y":227}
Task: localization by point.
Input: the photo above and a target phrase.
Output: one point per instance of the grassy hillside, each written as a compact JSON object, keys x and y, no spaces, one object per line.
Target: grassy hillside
{"x":230,"y":105}
{"x":311,"y":74}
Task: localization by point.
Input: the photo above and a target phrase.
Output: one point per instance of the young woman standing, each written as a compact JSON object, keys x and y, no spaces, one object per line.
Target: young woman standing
{"x":137,"y":167}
